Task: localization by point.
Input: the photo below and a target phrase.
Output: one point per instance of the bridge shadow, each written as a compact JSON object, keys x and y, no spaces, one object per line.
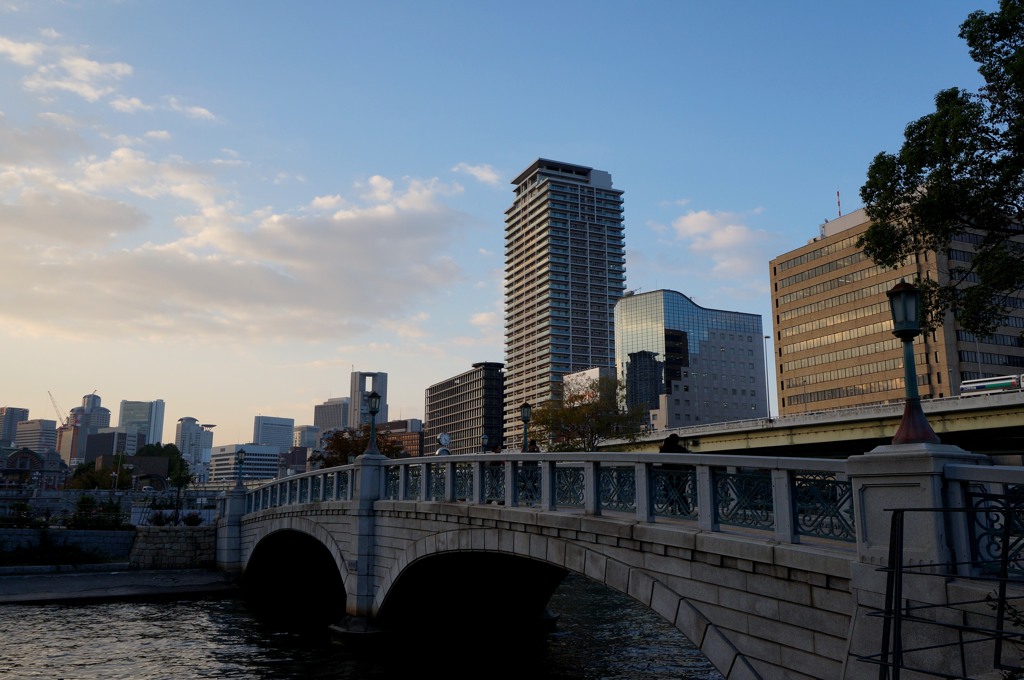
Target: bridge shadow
{"x":293,"y":583}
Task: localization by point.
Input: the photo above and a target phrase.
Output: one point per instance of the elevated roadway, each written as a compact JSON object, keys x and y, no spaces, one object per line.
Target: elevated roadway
{"x":990,"y":424}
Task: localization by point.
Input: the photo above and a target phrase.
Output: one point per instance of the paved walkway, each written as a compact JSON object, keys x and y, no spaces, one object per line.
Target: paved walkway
{"x":114,"y":584}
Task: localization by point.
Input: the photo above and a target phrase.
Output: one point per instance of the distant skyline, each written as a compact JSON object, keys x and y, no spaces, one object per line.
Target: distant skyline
{"x":231,"y":206}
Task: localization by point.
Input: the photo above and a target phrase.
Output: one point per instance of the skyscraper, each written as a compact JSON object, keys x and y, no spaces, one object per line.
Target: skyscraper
{"x":195,"y":441}
{"x":38,"y":435}
{"x":271,"y":431}
{"x":147,"y":417}
{"x":686,"y":364}
{"x":466,"y":407}
{"x":362,"y":384}
{"x":82,"y":421}
{"x":10,"y":416}
{"x":564,"y":270}
{"x":332,"y":414}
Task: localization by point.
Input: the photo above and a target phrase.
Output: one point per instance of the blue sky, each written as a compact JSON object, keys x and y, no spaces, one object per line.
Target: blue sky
{"x":231,"y":205}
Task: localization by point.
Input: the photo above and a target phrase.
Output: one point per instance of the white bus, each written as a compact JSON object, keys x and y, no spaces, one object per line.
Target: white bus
{"x":1002,"y":383}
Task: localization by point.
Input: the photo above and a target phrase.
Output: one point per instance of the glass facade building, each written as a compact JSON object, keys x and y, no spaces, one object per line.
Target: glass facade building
{"x":564,"y":270}
{"x":686,"y":364}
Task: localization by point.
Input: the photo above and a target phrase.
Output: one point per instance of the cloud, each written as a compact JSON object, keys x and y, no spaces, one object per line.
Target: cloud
{"x":734,"y":249}
{"x":90,"y":80}
{"x":24,"y":54}
{"x":482,"y":173}
{"x":129,"y":105}
{"x":197,"y":112}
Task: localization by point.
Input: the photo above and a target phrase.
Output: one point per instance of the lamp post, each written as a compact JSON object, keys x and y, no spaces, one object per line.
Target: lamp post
{"x":767,"y":386}
{"x":373,"y":407}
{"x":239,"y":460}
{"x":524,"y":414}
{"x":905,"y":304}
{"x":483,"y":442}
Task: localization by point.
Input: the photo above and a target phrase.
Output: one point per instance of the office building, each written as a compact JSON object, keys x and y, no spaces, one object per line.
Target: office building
{"x":38,"y":435}
{"x":467,"y":407}
{"x":408,"y":434}
{"x":271,"y":431}
{"x":111,"y":441}
{"x":10,"y":416}
{"x":82,"y":421}
{"x":307,"y":436}
{"x":147,"y":417}
{"x":688,"y":365}
{"x":195,"y":441}
{"x":255,"y":463}
{"x":332,"y":414}
{"x":833,"y":327}
{"x":363,"y":383}
{"x":564,"y":271}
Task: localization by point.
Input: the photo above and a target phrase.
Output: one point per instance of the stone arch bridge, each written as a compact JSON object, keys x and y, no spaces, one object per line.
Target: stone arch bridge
{"x":773,"y":567}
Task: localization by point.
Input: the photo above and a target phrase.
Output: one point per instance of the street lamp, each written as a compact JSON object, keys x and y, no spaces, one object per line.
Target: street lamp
{"x":373,"y":407}
{"x":239,"y":460}
{"x":524,"y":414}
{"x":483,"y":442}
{"x":767,"y":386}
{"x":905,"y":304}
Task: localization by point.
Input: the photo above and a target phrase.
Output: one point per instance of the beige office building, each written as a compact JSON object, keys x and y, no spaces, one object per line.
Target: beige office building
{"x":833,"y":328}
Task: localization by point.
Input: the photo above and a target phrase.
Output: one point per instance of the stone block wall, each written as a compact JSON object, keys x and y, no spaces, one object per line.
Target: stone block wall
{"x":110,"y":545}
{"x":175,"y":547}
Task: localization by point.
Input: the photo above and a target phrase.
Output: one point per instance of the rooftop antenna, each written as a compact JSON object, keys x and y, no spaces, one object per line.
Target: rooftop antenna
{"x":839,"y":206}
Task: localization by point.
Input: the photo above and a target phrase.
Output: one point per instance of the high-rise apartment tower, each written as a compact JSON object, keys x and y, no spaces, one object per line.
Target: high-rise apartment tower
{"x":564,"y":270}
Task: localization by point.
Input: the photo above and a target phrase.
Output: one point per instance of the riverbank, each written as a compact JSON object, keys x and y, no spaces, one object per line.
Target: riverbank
{"x":112,"y":582}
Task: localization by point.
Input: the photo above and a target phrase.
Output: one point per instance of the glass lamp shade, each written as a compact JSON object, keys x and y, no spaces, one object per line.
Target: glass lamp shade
{"x":905,"y":305}
{"x":373,"y":403}
{"x":524,"y":411}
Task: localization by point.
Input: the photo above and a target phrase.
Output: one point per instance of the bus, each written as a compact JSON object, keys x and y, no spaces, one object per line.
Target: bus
{"x":1002,"y":383}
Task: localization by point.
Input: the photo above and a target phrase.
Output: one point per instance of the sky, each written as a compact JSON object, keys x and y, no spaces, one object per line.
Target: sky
{"x":232,"y":205}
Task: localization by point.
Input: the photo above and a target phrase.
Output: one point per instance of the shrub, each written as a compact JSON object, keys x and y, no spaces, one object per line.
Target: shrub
{"x":192,"y":519}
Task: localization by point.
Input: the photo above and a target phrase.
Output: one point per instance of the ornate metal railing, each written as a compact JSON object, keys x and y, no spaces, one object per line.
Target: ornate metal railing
{"x":788,"y":497}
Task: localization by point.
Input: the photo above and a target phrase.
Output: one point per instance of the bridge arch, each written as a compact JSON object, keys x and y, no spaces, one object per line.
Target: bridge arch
{"x":295,"y":551}
{"x":544,"y":561}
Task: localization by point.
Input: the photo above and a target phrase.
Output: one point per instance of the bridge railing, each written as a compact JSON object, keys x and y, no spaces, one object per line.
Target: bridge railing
{"x":789,"y":498}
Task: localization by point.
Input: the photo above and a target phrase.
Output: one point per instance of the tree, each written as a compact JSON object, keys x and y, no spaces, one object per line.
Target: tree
{"x":961,"y":170}
{"x":345,"y":444}
{"x":587,"y":414}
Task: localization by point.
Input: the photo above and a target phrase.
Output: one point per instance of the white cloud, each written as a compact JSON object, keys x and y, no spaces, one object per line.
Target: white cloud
{"x":197,"y":112}
{"x":162,"y":135}
{"x":326,"y":202}
{"x":482,"y":173}
{"x":89,"y":79}
{"x":129,"y":105}
{"x":734,"y":249}
{"x":24,"y":54}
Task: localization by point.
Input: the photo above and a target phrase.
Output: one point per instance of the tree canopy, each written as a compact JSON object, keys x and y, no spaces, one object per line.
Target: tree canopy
{"x":960,"y":170}
{"x":344,"y":445}
{"x":587,"y":415}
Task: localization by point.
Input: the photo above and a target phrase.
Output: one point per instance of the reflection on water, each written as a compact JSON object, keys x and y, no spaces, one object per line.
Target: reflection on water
{"x":601,"y":634}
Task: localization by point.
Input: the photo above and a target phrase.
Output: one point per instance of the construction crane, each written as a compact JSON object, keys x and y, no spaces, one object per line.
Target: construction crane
{"x":63,"y":420}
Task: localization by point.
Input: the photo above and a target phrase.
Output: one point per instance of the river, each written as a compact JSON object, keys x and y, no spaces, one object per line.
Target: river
{"x":600,"y":634}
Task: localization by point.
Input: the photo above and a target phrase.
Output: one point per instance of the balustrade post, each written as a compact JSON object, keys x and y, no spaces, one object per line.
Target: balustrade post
{"x":547,"y":485}
{"x":782,"y":506}
{"x":592,"y":487}
{"x":425,"y":482}
{"x":477,"y":497}
{"x":511,"y":484}
{"x":644,"y":492}
{"x":909,"y":477}
{"x":449,"y":480}
{"x":706,"y":500}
